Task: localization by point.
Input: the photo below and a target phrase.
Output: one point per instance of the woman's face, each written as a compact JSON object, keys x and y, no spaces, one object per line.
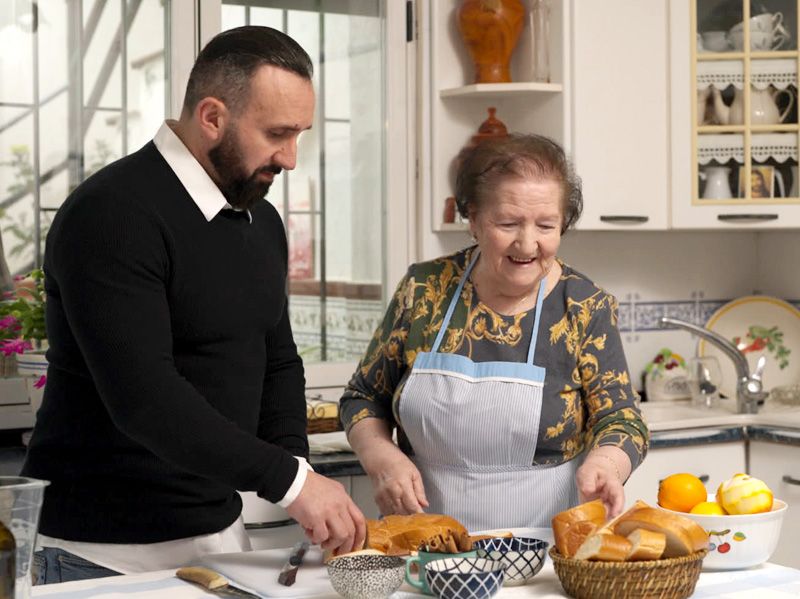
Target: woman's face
{"x":519,"y":231}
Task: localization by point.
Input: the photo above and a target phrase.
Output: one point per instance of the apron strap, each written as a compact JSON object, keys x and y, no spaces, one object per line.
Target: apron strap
{"x":535,"y":333}
{"x":451,"y":308}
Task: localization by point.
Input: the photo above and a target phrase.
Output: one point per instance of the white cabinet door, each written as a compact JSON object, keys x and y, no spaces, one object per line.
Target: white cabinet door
{"x":771,"y":462}
{"x":688,"y":211}
{"x":713,"y":463}
{"x":620,"y":83}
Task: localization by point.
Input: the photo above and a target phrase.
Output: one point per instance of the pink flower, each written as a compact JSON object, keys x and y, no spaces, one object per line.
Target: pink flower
{"x":9,"y":323}
{"x":14,"y":346}
{"x":40,"y":383}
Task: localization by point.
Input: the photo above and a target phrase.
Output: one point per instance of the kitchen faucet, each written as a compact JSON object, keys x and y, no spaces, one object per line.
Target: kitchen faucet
{"x":749,"y":390}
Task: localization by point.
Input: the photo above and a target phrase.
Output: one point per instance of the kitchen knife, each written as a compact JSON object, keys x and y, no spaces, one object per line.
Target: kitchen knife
{"x":289,"y":571}
{"x":212,"y":581}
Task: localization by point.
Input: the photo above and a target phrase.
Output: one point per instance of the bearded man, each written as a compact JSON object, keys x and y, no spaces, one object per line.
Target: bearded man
{"x":173,"y":377}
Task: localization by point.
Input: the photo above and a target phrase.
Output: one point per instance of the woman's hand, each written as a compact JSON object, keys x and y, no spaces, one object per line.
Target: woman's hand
{"x":397,"y":483}
{"x":601,"y":477}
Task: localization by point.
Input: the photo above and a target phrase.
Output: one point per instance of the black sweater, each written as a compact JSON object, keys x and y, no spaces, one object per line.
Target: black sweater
{"x":173,"y":377}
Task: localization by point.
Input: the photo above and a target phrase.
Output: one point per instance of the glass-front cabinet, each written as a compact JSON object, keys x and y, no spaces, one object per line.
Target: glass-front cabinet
{"x":743,"y":124}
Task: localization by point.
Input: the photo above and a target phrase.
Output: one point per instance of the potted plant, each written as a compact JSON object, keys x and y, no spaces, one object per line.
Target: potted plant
{"x":22,"y":328}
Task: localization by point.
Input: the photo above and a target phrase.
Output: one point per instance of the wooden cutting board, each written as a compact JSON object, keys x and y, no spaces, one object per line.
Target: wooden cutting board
{"x":257,"y":571}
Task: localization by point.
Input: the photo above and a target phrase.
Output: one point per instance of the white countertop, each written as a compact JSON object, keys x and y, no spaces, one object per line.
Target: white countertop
{"x":660,"y":416}
{"x":768,"y":581}
{"x":673,"y":415}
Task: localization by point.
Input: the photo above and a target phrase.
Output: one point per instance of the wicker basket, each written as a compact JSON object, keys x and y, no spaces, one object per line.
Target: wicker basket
{"x":673,"y":578}
{"x":323,"y":416}
{"x":323,"y":425}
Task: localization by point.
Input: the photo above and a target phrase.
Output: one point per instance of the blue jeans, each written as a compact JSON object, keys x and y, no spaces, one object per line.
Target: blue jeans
{"x":52,"y":565}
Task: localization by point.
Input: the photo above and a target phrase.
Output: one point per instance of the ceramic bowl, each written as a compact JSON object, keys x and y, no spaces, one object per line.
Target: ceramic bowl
{"x":522,"y":556}
{"x":464,"y":578}
{"x":737,"y":542}
{"x":366,"y":576}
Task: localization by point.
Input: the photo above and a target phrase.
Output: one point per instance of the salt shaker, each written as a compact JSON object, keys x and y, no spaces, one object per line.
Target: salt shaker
{"x":540,"y":15}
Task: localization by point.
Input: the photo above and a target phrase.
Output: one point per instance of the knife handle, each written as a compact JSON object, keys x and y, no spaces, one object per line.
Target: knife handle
{"x":203,"y":576}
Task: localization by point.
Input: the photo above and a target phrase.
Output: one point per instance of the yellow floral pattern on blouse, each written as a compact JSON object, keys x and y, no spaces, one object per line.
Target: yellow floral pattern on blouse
{"x":588,"y":397}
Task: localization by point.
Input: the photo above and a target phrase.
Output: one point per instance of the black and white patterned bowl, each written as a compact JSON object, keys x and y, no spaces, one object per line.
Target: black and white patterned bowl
{"x":464,"y":577}
{"x":367,"y":576}
{"x":523,"y":556}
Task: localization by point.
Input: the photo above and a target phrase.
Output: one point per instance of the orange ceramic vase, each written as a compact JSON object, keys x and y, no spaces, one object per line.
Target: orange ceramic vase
{"x":490,"y":29}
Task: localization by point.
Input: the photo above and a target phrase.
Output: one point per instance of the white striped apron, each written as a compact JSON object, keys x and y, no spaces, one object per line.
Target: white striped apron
{"x":474,"y":428}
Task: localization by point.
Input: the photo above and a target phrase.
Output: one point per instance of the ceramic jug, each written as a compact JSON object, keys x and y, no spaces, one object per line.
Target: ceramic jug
{"x":490,"y":30}
{"x":717,"y":185}
{"x":794,"y":192}
{"x":763,"y":107}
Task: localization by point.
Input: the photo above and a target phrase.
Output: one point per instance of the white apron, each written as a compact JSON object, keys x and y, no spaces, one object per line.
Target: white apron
{"x":474,"y":428}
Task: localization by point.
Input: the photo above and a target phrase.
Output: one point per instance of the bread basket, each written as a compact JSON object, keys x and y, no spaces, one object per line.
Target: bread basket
{"x":673,"y":578}
{"x":322,"y":416}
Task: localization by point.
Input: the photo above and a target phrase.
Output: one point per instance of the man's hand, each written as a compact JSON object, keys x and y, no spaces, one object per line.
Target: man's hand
{"x":328,"y":515}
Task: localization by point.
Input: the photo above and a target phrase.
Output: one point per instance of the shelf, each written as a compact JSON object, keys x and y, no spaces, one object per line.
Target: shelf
{"x":489,"y":90}
{"x":780,"y":72}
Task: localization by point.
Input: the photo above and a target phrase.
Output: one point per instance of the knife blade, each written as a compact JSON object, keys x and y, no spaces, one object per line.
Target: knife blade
{"x":288,"y":573}
{"x":213,"y":581}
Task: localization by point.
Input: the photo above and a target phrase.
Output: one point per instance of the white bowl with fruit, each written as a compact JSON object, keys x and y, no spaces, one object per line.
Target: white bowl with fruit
{"x":743,"y":520}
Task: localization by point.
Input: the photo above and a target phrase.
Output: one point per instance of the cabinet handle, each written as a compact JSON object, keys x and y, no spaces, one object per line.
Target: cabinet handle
{"x":704,"y":478}
{"x":625,"y":219}
{"x":275,"y":524}
{"x":790,"y":480}
{"x":746,"y":218}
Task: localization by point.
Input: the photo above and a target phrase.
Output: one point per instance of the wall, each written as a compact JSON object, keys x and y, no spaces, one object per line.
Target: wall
{"x":683,"y":274}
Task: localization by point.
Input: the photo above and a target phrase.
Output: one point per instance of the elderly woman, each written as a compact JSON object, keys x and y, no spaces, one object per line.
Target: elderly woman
{"x":501,"y":366}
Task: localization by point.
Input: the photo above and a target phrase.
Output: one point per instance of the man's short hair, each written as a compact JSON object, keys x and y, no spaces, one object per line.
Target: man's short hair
{"x":225,"y":66}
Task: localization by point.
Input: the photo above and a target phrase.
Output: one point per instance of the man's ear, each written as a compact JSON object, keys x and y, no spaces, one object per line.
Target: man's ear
{"x":212,"y":117}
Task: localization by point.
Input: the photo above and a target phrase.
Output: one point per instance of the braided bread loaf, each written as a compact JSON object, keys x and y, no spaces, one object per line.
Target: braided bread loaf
{"x":400,"y":535}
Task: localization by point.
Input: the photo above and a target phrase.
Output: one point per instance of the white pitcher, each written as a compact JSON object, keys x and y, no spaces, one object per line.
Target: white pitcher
{"x":717,"y":185}
{"x":794,"y":192}
{"x":763,"y":107}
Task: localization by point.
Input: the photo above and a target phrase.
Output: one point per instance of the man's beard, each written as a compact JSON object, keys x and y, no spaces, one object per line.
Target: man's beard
{"x":240,"y":189}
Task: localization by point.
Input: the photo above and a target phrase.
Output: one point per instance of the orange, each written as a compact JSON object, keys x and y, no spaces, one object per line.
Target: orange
{"x":709,"y":508}
{"x":681,"y":492}
{"x":744,"y":494}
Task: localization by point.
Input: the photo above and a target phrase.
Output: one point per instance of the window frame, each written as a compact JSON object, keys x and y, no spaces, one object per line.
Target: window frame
{"x":193,"y":22}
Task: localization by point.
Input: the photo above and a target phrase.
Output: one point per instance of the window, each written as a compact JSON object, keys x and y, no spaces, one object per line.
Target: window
{"x":333,"y":203}
{"x":82,"y":83}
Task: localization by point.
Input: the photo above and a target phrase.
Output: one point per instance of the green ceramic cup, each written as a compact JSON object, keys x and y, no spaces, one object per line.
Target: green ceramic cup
{"x":423,"y":557}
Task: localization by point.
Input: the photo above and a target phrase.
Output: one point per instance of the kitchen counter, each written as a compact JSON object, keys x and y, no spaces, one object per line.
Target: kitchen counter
{"x":672,"y":424}
{"x":777,"y":582}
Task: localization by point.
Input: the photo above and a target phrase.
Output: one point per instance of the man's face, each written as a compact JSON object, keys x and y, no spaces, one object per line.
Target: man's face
{"x":262,"y":140}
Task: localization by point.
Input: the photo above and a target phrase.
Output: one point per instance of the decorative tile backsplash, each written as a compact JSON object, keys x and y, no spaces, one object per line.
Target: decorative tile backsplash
{"x":349,"y":325}
{"x":636,"y":316}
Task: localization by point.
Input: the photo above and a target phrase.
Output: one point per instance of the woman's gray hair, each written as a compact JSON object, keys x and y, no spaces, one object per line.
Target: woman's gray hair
{"x":484,"y":167}
{"x":226,"y":64}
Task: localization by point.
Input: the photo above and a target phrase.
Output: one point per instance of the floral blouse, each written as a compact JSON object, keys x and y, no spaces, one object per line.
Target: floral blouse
{"x":588,"y":399}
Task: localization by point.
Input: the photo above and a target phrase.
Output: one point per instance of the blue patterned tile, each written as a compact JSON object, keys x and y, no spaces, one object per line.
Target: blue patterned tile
{"x":624,"y":321}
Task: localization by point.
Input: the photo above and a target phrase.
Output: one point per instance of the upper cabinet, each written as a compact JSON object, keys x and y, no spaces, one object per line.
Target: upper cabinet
{"x":455,"y":106}
{"x":620,"y":135}
{"x":735,"y":130}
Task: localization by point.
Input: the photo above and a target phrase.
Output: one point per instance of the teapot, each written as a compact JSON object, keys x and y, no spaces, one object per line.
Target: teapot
{"x":763,"y":107}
